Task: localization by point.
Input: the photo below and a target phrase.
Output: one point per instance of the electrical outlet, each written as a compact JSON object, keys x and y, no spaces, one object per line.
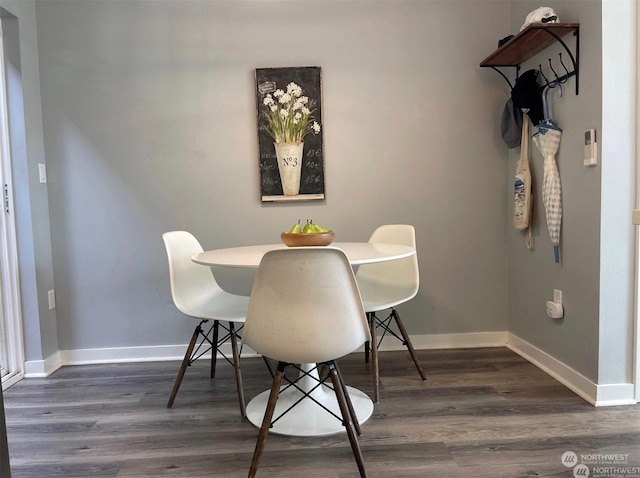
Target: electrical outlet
{"x":557,"y":296}
{"x":554,"y":310}
{"x":52,"y":299}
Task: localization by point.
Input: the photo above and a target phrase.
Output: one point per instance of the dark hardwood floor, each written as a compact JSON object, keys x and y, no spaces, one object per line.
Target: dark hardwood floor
{"x":481,"y":413}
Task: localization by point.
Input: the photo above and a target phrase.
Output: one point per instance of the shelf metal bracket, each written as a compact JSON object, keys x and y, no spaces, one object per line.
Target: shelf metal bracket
{"x":495,"y":68}
{"x":574,"y":59}
{"x":500,"y":58}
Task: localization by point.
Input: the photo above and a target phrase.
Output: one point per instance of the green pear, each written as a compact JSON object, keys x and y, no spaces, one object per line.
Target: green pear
{"x":320,"y":228}
{"x":309,"y":227}
{"x":313,"y":228}
{"x":296,"y":228}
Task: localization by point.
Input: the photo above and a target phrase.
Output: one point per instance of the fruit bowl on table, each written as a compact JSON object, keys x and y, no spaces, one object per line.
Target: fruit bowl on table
{"x":300,"y":239}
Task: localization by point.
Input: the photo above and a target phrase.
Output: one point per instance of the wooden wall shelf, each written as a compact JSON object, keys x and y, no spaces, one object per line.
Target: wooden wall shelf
{"x":531,"y":41}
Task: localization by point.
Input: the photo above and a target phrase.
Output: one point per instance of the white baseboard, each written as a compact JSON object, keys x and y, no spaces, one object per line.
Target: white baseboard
{"x":610,"y":395}
{"x":42,"y":368}
{"x":157,"y":353}
{"x":150,"y":353}
{"x":597,"y":395}
{"x":450,"y":341}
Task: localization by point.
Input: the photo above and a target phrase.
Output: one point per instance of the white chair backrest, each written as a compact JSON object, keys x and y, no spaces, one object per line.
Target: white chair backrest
{"x":191,"y":283}
{"x":305,"y":306}
{"x":403,"y":273}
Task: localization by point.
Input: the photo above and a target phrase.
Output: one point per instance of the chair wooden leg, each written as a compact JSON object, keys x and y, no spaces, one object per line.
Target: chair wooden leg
{"x":183,"y":367}
{"x":374,"y":357}
{"x":214,"y":348}
{"x":407,"y":342}
{"x":236,"y":366}
{"x":352,"y":411}
{"x":266,"y":421}
{"x":338,"y":387}
{"x":367,"y":345}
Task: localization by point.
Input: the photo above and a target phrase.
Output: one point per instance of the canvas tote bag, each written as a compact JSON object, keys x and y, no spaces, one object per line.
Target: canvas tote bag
{"x":523,"y":196}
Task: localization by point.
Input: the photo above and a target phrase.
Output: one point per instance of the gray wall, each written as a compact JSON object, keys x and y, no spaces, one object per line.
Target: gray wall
{"x":31,"y":204}
{"x":533,"y":274}
{"x":148,"y":119}
{"x":149,"y":125}
{"x":596,"y":269}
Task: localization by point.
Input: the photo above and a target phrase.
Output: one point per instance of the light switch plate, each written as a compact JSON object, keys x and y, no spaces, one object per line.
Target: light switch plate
{"x":42,"y":171}
{"x":52,"y":299}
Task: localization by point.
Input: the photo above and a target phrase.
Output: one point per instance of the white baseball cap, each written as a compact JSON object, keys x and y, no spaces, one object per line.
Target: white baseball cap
{"x":540,"y":15}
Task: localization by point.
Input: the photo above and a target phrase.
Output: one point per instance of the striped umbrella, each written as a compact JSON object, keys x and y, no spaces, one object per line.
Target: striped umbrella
{"x":547,"y":139}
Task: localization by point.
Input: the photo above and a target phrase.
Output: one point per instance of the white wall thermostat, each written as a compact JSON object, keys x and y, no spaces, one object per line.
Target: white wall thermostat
{"x":590,"y":148}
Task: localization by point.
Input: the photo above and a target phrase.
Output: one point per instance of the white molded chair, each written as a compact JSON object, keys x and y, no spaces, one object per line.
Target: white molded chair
{"x":196,"y":294}
{"x":385,"y":285}
{"x":305,"y":308}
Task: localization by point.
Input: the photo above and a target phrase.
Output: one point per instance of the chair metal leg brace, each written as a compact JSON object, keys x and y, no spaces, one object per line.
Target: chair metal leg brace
{"x":385,"y":325}
{"x":232,"y":335}
{"x":223,"y":339}
{"x":269,"y":367}
{"x":374,"y":323}
{"x":306,"y":394}
{"x":193,"y":353}
{"x":346,"y":409}
{"x":403,"y":337}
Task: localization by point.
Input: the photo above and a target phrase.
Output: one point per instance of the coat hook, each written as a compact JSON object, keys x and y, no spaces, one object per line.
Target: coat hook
{"x":566,"y":76}
{"x":554,"y":72}
{"x":545,"y":78}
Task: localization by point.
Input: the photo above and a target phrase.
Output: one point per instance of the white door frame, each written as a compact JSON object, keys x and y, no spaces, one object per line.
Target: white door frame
{"x":9,"y":271}
{"x":636,"y":220}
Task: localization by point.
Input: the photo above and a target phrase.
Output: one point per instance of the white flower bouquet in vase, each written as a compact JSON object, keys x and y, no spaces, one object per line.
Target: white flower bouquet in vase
{"x":290,"y":118}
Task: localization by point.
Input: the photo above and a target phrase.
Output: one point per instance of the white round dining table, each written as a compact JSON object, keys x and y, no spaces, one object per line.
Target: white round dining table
{"x":296,"y":414}
{"x":249,"y":257}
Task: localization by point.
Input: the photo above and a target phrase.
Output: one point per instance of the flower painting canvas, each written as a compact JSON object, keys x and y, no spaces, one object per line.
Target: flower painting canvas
{"x":290,"y":133}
